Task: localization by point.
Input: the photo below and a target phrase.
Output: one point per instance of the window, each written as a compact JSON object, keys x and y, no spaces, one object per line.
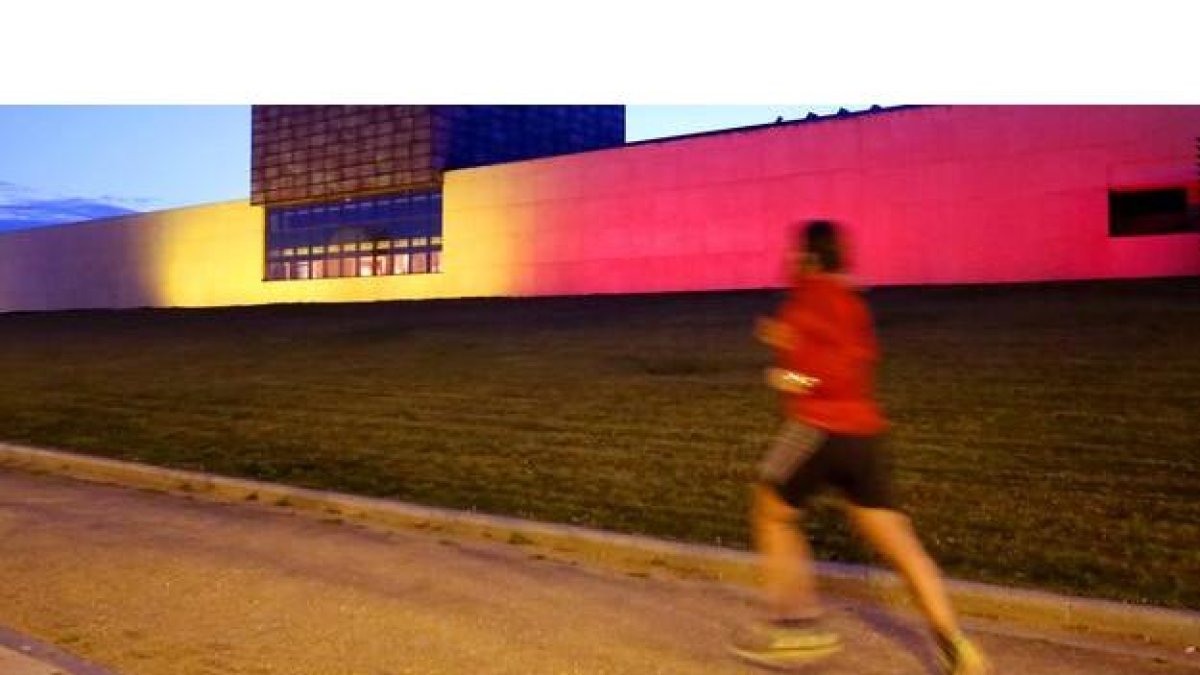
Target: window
{"x":400,"y":263}
{"x":399,"y":234}
{"x":1133,"y":213}
{"x":420,"y":263}
{"x":383,"y":267}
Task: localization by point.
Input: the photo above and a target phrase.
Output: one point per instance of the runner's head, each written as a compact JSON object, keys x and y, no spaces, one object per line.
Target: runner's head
{"x":821,"y":247}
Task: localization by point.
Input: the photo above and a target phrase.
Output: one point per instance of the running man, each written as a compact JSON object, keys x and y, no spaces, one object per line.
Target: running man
{"x":826,"y":354}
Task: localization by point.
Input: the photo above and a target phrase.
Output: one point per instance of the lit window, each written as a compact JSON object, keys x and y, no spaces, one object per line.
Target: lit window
{"x":383,"y":265}
{"x":400,"y":263}
{"x":366,"y":265}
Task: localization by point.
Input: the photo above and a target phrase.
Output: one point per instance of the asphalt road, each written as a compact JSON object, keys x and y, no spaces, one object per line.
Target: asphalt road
{"x":143,"y":583}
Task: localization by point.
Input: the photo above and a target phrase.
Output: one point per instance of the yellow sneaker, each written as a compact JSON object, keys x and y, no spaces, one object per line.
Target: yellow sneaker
{"x":783,"y":646}
{"x":960,"y":656}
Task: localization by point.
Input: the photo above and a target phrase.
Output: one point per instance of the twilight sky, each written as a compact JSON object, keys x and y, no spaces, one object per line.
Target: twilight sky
{"x":62,"y":164}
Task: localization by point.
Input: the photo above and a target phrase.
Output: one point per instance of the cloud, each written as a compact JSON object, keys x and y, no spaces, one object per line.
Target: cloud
{"x":22,"y":208}
{"x":10,"y":191}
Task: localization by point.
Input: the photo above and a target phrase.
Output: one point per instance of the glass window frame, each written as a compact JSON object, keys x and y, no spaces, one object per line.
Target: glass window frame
{"x":391,"y":234}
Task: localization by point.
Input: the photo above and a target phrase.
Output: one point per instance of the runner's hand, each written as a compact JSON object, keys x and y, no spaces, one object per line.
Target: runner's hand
{"x":789,"y":381}
{"x":774,"y":333}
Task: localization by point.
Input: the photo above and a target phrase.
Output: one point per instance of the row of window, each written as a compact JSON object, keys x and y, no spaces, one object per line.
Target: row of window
{"x":357,"y":247}
{"x":423,"y":262}
{"x":369,"y":237}
{"x":352,"y":240}
{"x":417,"y":209}
{"x":419,"y":223}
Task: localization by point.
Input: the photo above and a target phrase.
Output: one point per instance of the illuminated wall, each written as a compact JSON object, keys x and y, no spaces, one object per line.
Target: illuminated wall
{"x":96,"y":264}
{"x":201,"y":256}
{"x":931,"y":195}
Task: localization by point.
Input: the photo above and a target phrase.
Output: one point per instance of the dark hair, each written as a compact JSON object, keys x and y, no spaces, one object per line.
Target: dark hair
{"x":822,"y":240}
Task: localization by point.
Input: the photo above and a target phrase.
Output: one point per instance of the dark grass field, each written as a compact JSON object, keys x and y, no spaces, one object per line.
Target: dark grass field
{"x":1046,"y":435}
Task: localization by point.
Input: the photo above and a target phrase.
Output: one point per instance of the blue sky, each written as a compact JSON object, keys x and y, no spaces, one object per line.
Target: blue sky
{"x":63,"y":164}
{"x":655,"y":121}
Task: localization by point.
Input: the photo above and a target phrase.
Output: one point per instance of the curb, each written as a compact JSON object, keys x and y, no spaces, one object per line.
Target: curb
{"x":1176,"y":629}
{"x":27,"y":656}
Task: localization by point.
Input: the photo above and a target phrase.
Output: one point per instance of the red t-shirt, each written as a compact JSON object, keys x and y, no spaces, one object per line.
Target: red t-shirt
{"x":835,"y":343}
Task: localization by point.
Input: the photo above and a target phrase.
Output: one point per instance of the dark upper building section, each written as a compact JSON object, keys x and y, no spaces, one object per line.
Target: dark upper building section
{"x":327,"y":152}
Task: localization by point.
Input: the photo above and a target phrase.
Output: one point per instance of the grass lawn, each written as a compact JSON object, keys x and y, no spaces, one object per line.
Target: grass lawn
{"x":1046,"y":436}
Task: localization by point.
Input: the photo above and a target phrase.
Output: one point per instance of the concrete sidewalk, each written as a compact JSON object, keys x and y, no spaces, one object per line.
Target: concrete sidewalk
{"x":147,"y":583}
{"x":632,"y":554}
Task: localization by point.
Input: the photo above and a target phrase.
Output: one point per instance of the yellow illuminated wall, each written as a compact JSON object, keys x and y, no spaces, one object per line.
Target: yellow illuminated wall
{"x":212,"y":255}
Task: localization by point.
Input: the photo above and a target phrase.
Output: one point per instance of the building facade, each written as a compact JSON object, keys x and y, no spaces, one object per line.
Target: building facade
{"x":356,"y":191}
{"x":461,"y":202}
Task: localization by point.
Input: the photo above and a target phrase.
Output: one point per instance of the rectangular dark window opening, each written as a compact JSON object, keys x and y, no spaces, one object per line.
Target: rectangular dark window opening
{"x":1133,"y":213}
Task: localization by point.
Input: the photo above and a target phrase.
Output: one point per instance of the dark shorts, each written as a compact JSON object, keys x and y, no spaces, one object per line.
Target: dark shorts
{"x":803,"y":459}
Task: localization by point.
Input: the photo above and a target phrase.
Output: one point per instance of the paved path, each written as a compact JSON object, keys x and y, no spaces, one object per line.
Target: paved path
{"x":151,"y":584}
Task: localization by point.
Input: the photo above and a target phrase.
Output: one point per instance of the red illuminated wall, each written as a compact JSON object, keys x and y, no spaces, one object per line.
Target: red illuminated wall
{"x":930,"y":195}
